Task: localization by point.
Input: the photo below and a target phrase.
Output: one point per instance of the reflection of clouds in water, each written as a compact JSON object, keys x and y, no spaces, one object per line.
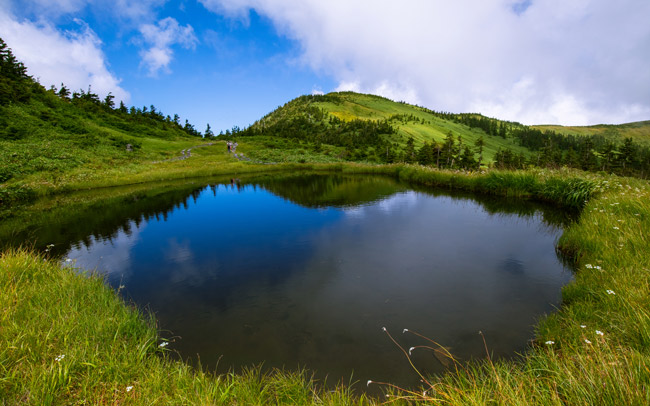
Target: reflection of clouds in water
{"x":111,"y":257}
{"x":387,"y":205}
{"x":184,"y":267}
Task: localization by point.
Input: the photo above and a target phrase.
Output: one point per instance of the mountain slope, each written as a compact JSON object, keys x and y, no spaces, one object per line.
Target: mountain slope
{"x":638,"y":131}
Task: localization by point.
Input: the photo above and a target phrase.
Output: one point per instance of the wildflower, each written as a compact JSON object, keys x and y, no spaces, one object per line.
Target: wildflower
{"x":128,"y":388}
{"x":163,"y":344}
{"x":598,"y":267}
{"x":616,"y":228}
{"x":549,"y":342}
{"x":583,"y":326}
{"x":587,"y":341}
{"x":68,"y":260}
{"x":59,"y":357}
{"x":600,"y":333}
{"x":589,"y":266}
{"x":610,"y":292}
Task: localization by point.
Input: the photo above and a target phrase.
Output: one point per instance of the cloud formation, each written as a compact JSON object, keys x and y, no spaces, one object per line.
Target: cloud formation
{"x":534,"y":61}
{"x":51,"y":56}
{"x":161,"y":37}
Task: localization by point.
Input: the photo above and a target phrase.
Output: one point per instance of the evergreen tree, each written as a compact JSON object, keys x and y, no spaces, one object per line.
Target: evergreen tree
{"x":628,"y":157}
{"x":108,"y":101}
{"x":15,"y":84}
{"x":409,"y":151}
{"x":448,"y":151}
{"x":64,"y":92}
{"x":466,"y":159}
{"x":479,"y":144}
{"x":208,"y":132}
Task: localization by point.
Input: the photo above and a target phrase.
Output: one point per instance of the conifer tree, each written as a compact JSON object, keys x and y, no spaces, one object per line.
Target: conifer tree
{"x":208,"y":132}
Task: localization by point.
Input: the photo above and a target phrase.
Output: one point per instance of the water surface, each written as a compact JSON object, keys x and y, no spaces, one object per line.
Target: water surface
{"x":304,"y":271}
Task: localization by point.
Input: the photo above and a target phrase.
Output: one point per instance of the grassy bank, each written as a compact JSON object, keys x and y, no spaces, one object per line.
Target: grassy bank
{"x":594,"y":350}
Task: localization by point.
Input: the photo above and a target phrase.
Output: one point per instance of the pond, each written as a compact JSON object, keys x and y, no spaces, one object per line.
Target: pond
{"x":305,"y":270}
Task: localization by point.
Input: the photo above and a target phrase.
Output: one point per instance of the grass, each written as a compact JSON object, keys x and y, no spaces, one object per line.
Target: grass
{"x":639,"y":131}
{"x":48,"y":311}
{"x":369,"y":107}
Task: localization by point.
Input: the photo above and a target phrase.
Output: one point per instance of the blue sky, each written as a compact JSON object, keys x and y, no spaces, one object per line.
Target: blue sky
{"x":229,"y":62}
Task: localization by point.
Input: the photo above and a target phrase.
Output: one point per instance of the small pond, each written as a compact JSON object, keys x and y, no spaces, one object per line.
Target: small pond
{"x":305,"y":270}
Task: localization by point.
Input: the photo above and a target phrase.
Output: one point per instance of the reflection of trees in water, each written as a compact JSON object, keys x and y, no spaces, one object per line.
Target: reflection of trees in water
{"x":103,"y":219}
{"x":77,"y":224}
{"x":322,"y":190}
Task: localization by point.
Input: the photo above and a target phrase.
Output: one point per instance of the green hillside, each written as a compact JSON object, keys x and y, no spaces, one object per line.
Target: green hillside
{"x":367,"y":128}
{"x":409,"y":121}
{"x":54,"y":135}
{"x":639,"y":131}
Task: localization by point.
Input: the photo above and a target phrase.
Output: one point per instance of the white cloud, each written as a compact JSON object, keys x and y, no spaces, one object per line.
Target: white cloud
{"x":161,"y":37}
{"x":575,"y":62}
{"x":72,"y":57}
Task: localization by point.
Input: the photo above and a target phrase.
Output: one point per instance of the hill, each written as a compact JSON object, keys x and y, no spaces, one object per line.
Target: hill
{"x":46,"y":134}
{"x":377,"y":129}
{"x":638,"y":131}
{"x":361,"y":127}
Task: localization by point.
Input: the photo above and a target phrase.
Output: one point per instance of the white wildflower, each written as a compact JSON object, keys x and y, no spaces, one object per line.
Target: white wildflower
{"x":587,"y":341}
{"x":598,"y":267}
{"x":610,"y":292}
{"x":549,"y":342}
{"x":589,"y":266}
{"x":616,"y":228}
{"x":163,"y":344}
{"x":583,"y":326}
{"x":59,"y":357}
{"x":128,"y":388}
{"x":600,"y":333}
{"x":68,"y":260}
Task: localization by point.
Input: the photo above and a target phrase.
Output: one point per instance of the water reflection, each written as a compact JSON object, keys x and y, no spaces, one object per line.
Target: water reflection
{"x":305,"y":270}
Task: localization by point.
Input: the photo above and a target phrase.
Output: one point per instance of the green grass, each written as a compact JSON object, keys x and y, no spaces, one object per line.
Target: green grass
{"x":638,"y":131}
{"x":47,"y":311}
{"x":369,"y":107}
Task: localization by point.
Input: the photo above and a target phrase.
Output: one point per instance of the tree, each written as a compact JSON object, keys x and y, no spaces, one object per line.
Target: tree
{"x":629,"y":154}
{"x":64,"y":92}
{"x":108,"y":101}
{"x":466,"y":159}
{"x":208,"y":132}
{"x":479,"y":144}
{"x":448,"y":151}
{"x":409,"y":151}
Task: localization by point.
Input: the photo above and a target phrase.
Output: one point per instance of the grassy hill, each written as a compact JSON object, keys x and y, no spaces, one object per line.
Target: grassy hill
{"x":367,"y":128}
{"x":408,"y":120}
{"x":639,"y":131}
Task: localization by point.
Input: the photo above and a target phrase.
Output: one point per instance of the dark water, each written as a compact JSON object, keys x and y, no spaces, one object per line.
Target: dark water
{"x":304,"y":271}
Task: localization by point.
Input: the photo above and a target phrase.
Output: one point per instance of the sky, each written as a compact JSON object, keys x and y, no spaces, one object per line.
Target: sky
{"x":229,"y":62}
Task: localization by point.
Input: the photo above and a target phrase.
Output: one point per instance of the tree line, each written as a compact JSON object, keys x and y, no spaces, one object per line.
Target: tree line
{"x":16,"y":86}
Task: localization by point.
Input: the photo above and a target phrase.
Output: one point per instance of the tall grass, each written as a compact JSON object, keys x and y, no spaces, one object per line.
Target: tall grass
{"x":594,"y":350}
